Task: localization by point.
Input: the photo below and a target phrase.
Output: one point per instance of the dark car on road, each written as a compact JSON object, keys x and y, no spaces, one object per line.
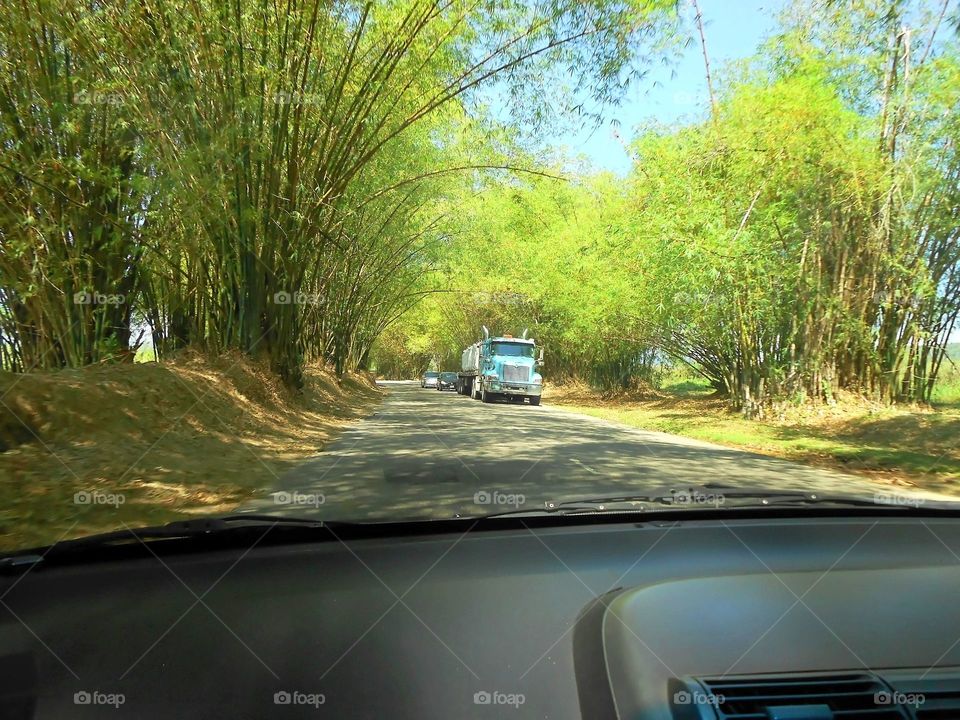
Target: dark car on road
{"x":429,"y":379}
{"x":447,"y":381}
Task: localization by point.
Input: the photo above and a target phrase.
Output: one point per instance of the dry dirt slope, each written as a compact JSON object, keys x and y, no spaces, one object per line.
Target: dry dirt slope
{"x":88,"y":450}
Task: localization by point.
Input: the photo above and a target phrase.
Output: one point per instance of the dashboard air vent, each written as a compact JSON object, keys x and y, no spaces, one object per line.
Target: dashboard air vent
{"x":850,"y":696}
{"x":932,"y":694}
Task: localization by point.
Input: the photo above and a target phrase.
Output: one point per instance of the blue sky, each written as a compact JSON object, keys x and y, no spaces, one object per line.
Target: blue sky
{"x":733,"y":28}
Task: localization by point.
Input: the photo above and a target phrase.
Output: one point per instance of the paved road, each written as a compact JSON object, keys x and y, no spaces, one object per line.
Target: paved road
{"x":437,"y":454}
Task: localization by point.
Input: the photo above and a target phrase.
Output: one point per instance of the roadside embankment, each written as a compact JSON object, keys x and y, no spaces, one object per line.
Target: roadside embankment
{"x":92,"y":449}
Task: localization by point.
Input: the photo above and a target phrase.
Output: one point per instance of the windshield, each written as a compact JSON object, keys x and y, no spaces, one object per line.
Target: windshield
{"x":513,"y":349}
{"x":231,"y":238}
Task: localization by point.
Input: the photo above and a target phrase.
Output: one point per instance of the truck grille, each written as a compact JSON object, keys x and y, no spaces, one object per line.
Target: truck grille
{"x":516,"y":373}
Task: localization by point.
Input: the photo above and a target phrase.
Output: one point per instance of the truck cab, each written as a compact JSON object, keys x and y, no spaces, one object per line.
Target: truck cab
{"x":504,"y":367}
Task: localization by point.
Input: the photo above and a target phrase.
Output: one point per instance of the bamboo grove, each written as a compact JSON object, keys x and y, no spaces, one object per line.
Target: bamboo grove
{"x":798,"y":236}
{"x":262,"y":175}
{"x":311,"y":180}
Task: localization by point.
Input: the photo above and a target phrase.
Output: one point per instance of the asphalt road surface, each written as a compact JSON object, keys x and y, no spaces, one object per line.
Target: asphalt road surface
{"x":439,"y":454}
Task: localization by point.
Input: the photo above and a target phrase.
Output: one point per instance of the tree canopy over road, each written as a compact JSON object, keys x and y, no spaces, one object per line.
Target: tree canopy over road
{"x":328,"y":181}
{"x":257,"y":175}
{"x":800,"y":239}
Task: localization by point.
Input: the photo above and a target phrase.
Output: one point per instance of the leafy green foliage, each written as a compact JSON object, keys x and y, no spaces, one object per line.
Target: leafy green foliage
{"x":256,"y":178}
{"x":801,"y":240}
{"x":326,"y":183}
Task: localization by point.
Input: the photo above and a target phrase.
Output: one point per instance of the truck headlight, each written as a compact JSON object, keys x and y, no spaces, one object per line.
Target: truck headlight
{"x":490,"y":376}
{"x":537,"y":379}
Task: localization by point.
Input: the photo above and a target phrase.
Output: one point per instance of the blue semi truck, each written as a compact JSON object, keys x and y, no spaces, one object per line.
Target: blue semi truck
{"x":501,"y":367}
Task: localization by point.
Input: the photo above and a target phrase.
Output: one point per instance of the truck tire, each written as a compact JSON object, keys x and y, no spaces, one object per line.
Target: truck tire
{"x":485,"y":396}
{"x":476,"y":389}
{"x":534,"y":399}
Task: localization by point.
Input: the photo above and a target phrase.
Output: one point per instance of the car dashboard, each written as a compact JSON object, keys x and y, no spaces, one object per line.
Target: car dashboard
{"x":795,"y":616}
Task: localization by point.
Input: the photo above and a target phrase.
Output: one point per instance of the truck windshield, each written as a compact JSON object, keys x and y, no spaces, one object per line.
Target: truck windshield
{"x":514,"y":349}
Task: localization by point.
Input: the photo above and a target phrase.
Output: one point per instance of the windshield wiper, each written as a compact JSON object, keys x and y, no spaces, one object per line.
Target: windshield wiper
{"x":716,"y":497}
{"x":222,"y":528}
{"x":197,"y":527}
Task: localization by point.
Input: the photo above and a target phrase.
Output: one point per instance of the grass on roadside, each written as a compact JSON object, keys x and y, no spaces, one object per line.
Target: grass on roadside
{"x":947,"y":390}
{"x":908,"y":446}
